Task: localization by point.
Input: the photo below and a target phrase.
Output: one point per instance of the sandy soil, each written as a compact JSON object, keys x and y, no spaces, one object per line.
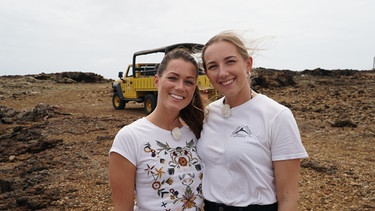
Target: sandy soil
{"x":55,"y":136}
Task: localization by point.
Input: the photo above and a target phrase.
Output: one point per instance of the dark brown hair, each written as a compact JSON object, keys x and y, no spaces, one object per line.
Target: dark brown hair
{"x":192,"y":114}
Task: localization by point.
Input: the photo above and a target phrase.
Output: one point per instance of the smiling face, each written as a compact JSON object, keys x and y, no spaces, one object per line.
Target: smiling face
{"x":227,"y":71}
{"x":176,"y":85}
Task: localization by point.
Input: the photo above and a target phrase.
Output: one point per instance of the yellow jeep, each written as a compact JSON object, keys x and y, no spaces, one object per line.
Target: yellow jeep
{"x":138,"y":82}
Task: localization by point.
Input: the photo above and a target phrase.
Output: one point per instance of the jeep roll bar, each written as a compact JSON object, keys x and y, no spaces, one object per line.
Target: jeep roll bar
{"x":193,"y":47}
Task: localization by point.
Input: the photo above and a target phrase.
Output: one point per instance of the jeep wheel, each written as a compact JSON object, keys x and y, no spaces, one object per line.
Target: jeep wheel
{"x":149,"y":103}
{"x":117,"y":102}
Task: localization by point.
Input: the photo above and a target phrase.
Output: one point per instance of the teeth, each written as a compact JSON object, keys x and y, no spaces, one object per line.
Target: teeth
{"x":177,"y":96}
{"x":227,"y":82}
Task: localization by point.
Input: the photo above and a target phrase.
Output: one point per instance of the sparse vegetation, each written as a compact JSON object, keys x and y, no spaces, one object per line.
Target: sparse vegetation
{"x":55,"y":137}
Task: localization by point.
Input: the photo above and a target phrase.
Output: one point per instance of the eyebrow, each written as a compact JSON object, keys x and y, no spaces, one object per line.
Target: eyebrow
{"x":226,"y":58}
{"x":230,"y":57}
{"x":193,"y":77}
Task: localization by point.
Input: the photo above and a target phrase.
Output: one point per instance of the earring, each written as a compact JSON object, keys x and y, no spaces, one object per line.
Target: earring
{"x":248,"y":74}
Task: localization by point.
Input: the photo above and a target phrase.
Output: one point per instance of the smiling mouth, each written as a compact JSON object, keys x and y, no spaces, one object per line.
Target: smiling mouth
{"x":178,"y":97}
{"x":227,"y":82}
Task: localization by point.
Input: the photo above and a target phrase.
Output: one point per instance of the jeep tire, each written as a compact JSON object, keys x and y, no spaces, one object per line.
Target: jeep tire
{"x":149,"y":103}
{"x":117,"y":103}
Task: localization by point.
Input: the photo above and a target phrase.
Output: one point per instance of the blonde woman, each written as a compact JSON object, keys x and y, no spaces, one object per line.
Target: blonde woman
{"x":250,"y":145}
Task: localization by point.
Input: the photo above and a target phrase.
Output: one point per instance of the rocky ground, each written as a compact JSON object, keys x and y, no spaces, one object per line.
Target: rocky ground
{"x":56,"y":130}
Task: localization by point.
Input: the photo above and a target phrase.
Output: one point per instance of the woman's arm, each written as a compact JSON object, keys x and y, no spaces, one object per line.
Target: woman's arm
{"x":286,"y":178}
{"x":122,"y":179}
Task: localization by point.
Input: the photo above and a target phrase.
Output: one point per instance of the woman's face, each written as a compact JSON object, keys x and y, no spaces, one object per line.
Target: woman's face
{"x":227,"y":71}
{"x":177,"y":85}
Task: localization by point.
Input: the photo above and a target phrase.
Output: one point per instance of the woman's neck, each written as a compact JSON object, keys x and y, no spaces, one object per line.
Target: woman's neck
{"x":239,"y":98}
{"x":167,"y":121}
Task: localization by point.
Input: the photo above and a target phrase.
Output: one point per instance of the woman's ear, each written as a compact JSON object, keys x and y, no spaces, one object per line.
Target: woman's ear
{"x":249,"y":63}
{"x":156,"y":80}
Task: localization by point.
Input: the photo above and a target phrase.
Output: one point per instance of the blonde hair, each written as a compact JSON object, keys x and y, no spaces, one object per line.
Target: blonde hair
{"x":233,"y":38}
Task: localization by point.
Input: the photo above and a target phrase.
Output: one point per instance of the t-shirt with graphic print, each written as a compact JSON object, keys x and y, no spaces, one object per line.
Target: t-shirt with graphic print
{"x":169,"y":172}
{"x":238,"y":146}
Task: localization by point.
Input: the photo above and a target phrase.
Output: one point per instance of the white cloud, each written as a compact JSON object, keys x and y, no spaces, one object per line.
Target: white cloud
{"x":101,"y":36}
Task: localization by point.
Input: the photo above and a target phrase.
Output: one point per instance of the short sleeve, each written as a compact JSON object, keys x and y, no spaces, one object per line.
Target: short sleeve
{"x":285,"y":137}
{"x":125,"y":145}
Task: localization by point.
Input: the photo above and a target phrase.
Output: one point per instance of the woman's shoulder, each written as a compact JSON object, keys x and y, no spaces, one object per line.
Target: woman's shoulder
{"x":134,"y":126}
{"x":269,"y":103}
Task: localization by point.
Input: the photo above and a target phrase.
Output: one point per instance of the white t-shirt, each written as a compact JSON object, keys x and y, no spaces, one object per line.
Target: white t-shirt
{"x":169,"y":173}
{"x":237,"y":152}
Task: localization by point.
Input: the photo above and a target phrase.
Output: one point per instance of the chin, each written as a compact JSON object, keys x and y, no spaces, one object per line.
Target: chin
{"x":175,"y":107}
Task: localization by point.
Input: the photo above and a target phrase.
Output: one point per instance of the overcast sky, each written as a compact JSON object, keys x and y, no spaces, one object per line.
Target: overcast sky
{"x":101,"y":36}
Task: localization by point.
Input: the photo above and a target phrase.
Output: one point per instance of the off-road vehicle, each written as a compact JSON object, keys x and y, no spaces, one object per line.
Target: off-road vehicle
{"x":138,"y":82}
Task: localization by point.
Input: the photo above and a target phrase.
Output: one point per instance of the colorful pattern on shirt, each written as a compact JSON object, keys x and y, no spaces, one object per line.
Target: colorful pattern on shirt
{"x":172,"y":162}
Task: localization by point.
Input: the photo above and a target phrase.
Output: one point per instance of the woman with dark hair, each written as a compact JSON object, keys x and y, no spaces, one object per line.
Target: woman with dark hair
{"x":154,"y":159}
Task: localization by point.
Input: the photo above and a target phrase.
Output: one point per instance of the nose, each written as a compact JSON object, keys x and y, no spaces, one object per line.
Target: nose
{"x":180,"y":85}
{"x":222,"y":71}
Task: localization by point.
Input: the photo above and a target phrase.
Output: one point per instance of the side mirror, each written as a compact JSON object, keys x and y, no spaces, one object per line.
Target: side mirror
{"x":120,"y":74}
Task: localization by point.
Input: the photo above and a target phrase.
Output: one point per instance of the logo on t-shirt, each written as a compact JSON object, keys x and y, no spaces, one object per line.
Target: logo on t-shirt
{"x":241,"y":131}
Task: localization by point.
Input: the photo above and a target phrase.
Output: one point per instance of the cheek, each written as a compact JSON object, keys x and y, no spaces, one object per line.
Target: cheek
{"x":190,"y":92}
{"x":210,"y":74}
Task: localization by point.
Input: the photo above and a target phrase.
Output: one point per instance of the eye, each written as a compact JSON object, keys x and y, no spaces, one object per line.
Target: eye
{"x":231,"y":61}
{"x":190,"y":82}
{"x":211,"y":67}
{"x":172,"y":78}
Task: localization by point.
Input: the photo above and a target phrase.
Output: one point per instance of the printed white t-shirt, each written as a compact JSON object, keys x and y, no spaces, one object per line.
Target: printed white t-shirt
{"x":169,"y":172}
{"x":237,"y":152}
